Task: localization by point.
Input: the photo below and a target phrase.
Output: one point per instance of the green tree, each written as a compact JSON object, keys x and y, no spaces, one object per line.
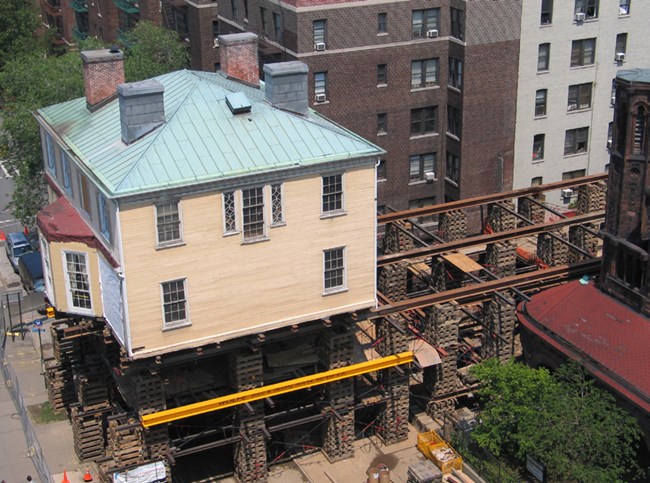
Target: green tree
{"x":562,"y":419}
{"x":150,"y":51}
{"x":18,"y":22}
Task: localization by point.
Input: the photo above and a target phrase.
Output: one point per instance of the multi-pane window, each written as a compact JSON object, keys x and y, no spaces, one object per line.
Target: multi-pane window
{"x":265,"y":20}
{"x":540,"y":102}
{"x":639,"y":141}
{"x":583,"y":52}
{"x":546,"y":16}
{"x":453,"y":167}
{"x":543,"y":57}
{"x":229,"y":213}
{"x":423,"y":120}
{"x":457,"y":23}
{"x":84,"y":189}
{"x":424,"y":73}
{"x":420,"y":164}
{"x":382,"y":123}
{"x":67,"y":174}
{"x":455,"y":72}
{"x":253,"y":213}
{"x":382,"y":74}
{"x":588,"y":7}
{"x":538,"y":147}
{"x":334,"y":269}
{"x":320,"y":85}
{"x":78,"y":280}
{"x":381,"y":170}
{"x":104,"y":216}
{"x":382,"y":22}
{"x":45,"y":250}
{"x":332,"y":193}
{"x":454,"y":121}
{"x":579,"y":97}
{"x":624,"y":7}
{"x":277,"y":205}
{"x":51,"y":158}
{"x":168,"y":223}
{"x":174,"y":299}
{"x":621,"y":44}
{"x":320,"y":33}
{"x":575,"y":141}
{"x":233,"y":7}
{"x":424,"y":20}
{"x":277,"y":26}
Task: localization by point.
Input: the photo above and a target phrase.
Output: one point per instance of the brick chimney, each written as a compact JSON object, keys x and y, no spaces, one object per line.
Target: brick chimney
{"x":238,"y":53}
{"x":103,"y":72}
{"x":286,"y":86}
{"x":141,"y":108}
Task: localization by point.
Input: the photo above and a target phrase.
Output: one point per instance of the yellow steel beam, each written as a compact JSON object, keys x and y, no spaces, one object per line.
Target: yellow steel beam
{"x":258,"y":393}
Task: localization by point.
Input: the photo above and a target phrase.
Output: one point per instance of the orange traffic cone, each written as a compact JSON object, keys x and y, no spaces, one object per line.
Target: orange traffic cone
{"x":2,"y":235}
{"x":88,"y":476}
{"x":26,"y":231}
{"x":65,"y":477}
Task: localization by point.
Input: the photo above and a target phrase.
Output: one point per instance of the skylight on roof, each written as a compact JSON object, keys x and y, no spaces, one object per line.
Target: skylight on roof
{"x":238,"y":102}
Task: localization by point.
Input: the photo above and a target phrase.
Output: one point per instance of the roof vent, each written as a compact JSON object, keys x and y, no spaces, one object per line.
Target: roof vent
{"x":238,"y":102}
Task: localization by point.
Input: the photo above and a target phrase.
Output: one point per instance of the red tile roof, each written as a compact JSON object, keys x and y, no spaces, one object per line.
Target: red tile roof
{"x":611,"y":339}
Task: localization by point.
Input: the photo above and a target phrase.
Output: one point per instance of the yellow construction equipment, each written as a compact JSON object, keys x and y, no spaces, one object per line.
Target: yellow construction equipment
{"x":258,"y":393}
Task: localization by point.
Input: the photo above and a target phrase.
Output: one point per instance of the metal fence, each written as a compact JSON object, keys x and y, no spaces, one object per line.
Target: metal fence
{"x":485,"y":463}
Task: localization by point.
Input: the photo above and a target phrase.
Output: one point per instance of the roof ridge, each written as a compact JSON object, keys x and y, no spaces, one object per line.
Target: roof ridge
{"x":136,"y":162}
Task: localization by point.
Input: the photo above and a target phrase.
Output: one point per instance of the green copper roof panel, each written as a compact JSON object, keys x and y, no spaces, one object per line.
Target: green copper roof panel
{"x":634,"y":75}
{"x":202,"y":139}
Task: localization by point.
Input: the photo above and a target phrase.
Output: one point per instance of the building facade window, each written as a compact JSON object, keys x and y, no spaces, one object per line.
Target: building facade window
{"x":546,"y":17}
{"x":84,"y":194}
{"x":277,"y":204}
{"x":421,"y":203}
{"x":45,"y":250}
{"x":454,"y":117}
{"x":245,"y":9}
{"x":621,"y":44}
{"x":382,"y":74}
{"x":577,"y":173}
{"x":424,"y":20}
{"x":174,"y":302}
{"x":540,"y":102}
{"x":624,"y":7}
{"x":253,"y":213}
{"x":579,"y":96}
{"x":538,"y":147}
{"x":420,"y":164}
{"x":320,"y":33}
{"x":381,"y":170}
{"x":332,"y":193}
{"x":76,"y":271}
{"x":277,"y":26}
{"x":457,"y":23}
{"x":233,"y":7}
{"x":575,"y":141}
{"x":229,"y":213}
{"x":382,"y":23}
{"x":67,"y":174}
{"x":51,"y":157}
{"x":583,"y":52}
{"x":536,"y":181}
{"x":543,"y":57}
{"x":334,"y":270}
{"x":453,"y":168}
{"x":382,"y":123}
{"x":455,"y":73}
{"x":265,"y":20}
{"x":424,"y":120}
{"x":104,"y":216}
{"x":424,"y":73}
{"x":320,"y":86}
{"x":588,"y":7}
{"x":168,"y":223}
{"x":639,"y":142}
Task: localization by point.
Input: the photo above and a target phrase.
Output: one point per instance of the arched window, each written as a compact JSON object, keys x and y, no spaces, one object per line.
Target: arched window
{"x":639,"y":131}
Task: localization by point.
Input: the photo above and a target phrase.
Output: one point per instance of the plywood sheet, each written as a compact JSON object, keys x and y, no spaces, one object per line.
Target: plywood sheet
{"x":462,"y":262}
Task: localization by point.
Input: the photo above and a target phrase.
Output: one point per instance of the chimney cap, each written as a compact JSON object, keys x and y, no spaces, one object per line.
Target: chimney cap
{"x":236,"y":38}
{"x":103,"y":55}
{"x":286,"y":68}
{"x":141,"y":88}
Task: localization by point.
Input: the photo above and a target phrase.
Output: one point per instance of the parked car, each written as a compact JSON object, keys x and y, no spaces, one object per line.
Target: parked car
{"x":16,"y":245}
{"x":30,"y":269}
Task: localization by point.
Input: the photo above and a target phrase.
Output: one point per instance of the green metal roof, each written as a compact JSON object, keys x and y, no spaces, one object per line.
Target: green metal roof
{"x":201,"y":140}
{"x":634,"y":75}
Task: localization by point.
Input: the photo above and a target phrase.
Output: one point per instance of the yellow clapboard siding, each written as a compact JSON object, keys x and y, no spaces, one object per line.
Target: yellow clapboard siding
{"x":236,"y":288}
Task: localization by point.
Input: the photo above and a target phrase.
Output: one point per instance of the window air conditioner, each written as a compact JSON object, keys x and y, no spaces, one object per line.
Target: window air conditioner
{"x":319,"y":46}
{"x":609,"y":144}
{"x":613,"y":99}
{"x":430,"y":176}
{"x":567,"y":193}
{"x":216,"y":43}
{"x":321,"y":97}
{"x":581,"y":16}
{"x":620,"y":56}
{"x":432,"y":34}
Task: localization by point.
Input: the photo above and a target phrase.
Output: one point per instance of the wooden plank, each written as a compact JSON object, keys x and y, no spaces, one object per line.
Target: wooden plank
{"x":462,"y":262}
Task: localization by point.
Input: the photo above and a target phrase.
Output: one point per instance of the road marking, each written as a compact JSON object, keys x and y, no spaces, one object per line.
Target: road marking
{"x":4,"y":170}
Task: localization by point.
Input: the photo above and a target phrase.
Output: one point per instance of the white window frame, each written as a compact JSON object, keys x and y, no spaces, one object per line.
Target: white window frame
{"x":177,"y":324}
{"x":169,"y":243}
{"x":344,"y":285}
{"x":105,"y":226}
{"x":264,"y":235}
{"x":47,"y":262}
{"x":235,"y":204}
{"x":624,"y":7}
{"x":71,"y":307}
{"x":282,"y":221}
{"x":336,"y":212}
{"x":66,"y":172}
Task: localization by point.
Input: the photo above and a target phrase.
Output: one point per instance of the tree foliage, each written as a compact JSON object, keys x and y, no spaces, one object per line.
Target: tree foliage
{"x":562,"y":419}
{"x":18,"y":22}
